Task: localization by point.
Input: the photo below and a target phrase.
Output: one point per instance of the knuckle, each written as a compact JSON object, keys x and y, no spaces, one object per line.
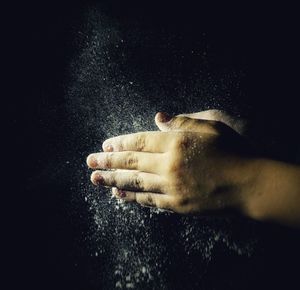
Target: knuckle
{"x":140,"y":142}
{"x":174,"y":165}
{"x":183,"y":142}
{"x":112,"y":179}
{"x":131,"y":161}
{"x":137,"y":182}
{"x":108,"y":160}
{"x":177,"y":143}
{"x":120,"y":144}
{"x":149,"y":199}
{"x":176,"y":160}
{"x":145,"y":199}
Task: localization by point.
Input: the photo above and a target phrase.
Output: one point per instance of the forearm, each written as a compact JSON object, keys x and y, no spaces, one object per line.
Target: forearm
{"x":275,"y":193}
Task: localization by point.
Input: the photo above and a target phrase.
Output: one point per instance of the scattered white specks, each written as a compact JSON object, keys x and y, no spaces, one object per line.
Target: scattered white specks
{"x":129,"y":285}
{"x":105,"y":100}
{"x":118,"y":284}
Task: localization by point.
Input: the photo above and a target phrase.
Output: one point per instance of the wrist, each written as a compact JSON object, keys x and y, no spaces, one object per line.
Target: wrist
{"x":240,"y":181}
{"x":272,"y":192}
{"x":252,"y":186}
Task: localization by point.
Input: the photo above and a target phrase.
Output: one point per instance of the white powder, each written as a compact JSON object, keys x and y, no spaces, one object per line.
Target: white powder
{"x":104,"y":100}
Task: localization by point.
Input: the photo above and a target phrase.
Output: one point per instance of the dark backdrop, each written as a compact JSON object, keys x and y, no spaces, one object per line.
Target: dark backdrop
{"x":255,"y":45}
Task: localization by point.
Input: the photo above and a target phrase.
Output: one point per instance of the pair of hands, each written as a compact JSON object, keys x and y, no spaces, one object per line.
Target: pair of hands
{"x":197,"y":162}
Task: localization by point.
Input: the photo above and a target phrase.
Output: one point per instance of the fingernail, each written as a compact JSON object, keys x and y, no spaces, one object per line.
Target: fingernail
{"x":163,"y":117}
{"x":108,"y":148}
{"x":99,"y":180}
{"x":122,"y":193}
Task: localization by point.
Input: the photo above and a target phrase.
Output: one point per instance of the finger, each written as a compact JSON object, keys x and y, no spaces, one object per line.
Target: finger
{"x":129,"y":180}
{"x":237,"y":124}
{"x":182,"y":123}
{"x":150,"y":141}
{"x":142,"y":161}
{"x":151,"y":199}
{"x":123,"y":195}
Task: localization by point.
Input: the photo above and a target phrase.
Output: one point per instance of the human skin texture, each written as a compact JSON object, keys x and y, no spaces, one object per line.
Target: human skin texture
{"x":198,"y":162}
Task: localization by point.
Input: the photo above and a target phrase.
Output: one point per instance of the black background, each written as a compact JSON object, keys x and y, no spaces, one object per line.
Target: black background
{"x":262,"y":40}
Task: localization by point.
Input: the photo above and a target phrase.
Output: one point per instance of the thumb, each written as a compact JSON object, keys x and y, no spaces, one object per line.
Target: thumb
{"x":166,"y":122}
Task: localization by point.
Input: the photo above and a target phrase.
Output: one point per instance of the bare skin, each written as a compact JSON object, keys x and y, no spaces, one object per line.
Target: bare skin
{"x":198,"y":162}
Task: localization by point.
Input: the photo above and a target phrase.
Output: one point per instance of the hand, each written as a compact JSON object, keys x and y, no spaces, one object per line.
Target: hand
{"x":207,"y":166}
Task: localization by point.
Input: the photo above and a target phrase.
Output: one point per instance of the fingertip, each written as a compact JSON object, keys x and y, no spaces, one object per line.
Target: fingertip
{"x":162,"y":117}
{"x":107,"y":147}
{"x":96,"y":178}
{"x":156,"y":118}
{"x":92,"y":178}
{"x":91,"y":161}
